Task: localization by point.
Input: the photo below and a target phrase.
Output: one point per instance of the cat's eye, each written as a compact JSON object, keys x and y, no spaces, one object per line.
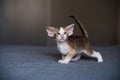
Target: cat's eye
{"x":58,"y":33}
{"x":64,"y":32}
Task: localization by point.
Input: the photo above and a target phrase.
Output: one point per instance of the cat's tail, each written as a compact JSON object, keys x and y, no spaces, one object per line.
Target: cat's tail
{"x":82,"y":28}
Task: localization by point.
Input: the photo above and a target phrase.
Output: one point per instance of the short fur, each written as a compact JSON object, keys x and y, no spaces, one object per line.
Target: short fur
{"x":70,"y":45}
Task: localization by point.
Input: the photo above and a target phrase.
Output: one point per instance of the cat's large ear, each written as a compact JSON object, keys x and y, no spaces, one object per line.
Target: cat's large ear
{"x":50,"y":31}
{"x":69,"y":29}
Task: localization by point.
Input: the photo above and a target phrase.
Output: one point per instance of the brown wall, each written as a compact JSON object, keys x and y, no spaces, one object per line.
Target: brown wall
{"x":24,"y":21}
{"x":119,"y":23}
{"x":98,"y":16}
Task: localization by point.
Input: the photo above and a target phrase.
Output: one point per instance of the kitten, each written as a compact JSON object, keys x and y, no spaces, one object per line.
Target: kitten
{"x":71,"y":46}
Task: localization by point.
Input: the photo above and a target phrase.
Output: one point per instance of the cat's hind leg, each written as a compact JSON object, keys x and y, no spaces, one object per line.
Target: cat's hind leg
{"x":95,"y":54}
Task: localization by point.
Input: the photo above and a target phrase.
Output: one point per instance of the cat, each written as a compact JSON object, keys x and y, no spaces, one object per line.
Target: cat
{"x":71,"y":46}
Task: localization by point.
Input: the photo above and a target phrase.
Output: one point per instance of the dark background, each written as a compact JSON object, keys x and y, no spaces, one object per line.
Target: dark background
{"x":23,"y":22}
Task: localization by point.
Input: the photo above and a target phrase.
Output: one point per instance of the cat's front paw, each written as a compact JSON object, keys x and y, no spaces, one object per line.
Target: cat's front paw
{"x":63,"y":61}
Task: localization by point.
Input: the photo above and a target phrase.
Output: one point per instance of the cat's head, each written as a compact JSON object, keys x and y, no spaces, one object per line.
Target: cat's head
{"x":61,"y":33}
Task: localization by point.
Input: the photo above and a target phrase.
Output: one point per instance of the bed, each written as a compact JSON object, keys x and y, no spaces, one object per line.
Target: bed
{"x":18,"y":62}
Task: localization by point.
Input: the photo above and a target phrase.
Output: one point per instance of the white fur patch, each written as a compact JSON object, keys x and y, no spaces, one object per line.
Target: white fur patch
{"x":63,"y":47}
{"x":61,"y":30}
{"x":97,"y":55}
{"x":66,"y":61}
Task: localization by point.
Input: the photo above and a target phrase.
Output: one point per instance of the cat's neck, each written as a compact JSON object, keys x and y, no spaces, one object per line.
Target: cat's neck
{"x":60,"y":42}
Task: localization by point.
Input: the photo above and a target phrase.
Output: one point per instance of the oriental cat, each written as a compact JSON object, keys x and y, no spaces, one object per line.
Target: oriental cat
{"x":71,"y":46}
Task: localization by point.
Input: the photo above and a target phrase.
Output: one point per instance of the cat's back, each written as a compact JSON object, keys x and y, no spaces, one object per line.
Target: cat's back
{"x":78,"y":42}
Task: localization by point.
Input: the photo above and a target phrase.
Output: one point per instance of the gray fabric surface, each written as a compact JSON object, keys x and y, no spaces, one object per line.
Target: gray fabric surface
{"x":40,"y":63}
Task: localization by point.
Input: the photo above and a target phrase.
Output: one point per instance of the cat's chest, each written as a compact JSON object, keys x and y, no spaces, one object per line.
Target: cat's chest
{"x":63,"y":48}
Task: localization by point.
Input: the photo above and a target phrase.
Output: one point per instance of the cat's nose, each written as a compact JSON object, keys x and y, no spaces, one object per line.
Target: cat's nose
{"x":62,"y":36}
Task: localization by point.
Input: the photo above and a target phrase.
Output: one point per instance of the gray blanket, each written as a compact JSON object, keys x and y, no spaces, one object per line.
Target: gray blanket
{"x":40,"y":63}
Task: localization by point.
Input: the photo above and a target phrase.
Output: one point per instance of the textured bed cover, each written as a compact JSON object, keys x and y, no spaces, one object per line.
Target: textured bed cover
{"x":40,"y":63}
